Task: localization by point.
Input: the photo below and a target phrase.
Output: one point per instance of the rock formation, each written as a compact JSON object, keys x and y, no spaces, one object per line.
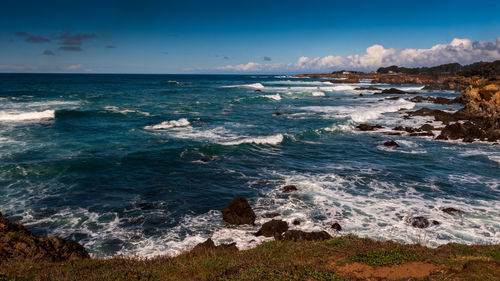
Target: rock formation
{"x":18,"y":243}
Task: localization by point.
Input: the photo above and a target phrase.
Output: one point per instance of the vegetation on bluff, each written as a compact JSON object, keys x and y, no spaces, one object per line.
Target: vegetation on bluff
{"x":342,"y":258}
{"x":483,"y":69}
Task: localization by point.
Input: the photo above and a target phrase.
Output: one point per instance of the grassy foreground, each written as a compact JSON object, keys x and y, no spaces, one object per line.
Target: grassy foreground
{"x":342,"y":258}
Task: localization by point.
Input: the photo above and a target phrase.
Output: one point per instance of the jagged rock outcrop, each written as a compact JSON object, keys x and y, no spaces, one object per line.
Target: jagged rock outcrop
{"x":273,"y":228}
{"x":298,"y":235}
{"x":16,"y":242}
{"x":239,"y":212}
{"x":210,"y":245}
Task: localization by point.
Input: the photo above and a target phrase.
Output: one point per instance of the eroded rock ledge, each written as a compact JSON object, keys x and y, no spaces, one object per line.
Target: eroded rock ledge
{"x":18,"y":243}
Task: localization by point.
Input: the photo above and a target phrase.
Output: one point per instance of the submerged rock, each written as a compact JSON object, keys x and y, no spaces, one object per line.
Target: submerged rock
{"x":391,"y":143}
{"x":272,"y":215}
{"x":296,"y":222}
{"x":272,"y":228}
{"x":394,"y":91}
{"x":450,"y":210}
{"x":298,"y":235}
{"x":366,"y":127}
{"x":289,"y":188}
{"x":239,"y":212}
{"x":419,"y":222}
{"x":18,"y":243}
{"x":337,"y":226}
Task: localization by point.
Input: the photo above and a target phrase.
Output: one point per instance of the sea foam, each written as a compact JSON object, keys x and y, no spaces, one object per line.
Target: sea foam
{"x":165,"y":125}
{"x":26,"y":116}
{"x":363,"y":112}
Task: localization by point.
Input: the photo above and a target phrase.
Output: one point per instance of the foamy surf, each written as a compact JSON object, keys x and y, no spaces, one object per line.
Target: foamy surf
{"x":273,"y":140}
{"x":27,"y":116}
{"x":165,"y":125}
{"x":363,"y":112}
{"x":252,"y":86}
{"x":276,"y":97}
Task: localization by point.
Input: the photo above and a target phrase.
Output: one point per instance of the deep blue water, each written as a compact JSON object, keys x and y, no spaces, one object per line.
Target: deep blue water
{"x":143,"y":164}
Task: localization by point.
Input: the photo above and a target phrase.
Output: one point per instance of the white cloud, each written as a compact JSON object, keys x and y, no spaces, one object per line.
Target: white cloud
{"x":74,"y":66}
{"x":463,"y":51}
{"x":17,"y":67}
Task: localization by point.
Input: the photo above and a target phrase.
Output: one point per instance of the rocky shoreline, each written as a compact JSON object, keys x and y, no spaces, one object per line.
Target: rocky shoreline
{"x":18,"y":243}
{"x":478,"y":120}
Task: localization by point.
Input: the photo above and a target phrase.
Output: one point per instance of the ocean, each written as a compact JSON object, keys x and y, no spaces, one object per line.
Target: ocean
{"x":142,"y":165}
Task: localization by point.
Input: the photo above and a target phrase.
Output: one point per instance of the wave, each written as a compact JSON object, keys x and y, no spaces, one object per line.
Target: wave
{"x":223,"y":136}
{"x":273,"y":140}
{"x":253,"y":86}
{"x":27,"y":116}
{"x":412,"y":88}
{"x":165,"y":125}
{"x":318,"y":94}
{"x":276,"y":97}
{"x":363,"y":112}
{"x":116,"y":109}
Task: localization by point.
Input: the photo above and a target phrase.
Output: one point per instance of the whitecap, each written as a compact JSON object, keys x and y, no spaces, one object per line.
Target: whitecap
{"x":253,"y":86}
{"x":276,"y":97}
{"x":318,"y":94}
{"x":165,"y":125}
{"x":273,"y":140}
{"x":363,"y":112}
{"x":26,"y":116}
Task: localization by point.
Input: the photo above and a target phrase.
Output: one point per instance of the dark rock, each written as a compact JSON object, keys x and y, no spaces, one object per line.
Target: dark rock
{"x":278,"y":114}
{"x":419,"y":222}
{"x":435,"y":223}
{"x":239,"y":212}
{"x":298,"y":235}
{"x":393,"y":134}
{"x":427,"y":127}
{"x":289,"y":188}
{"x":424,"y":134}
{"x":392,"y":98}
{"x":391,"y":143}
{"x":18,"y":243}
{"x":450,"y":210}
{"x":271,"y":228}
{"x":273,"y":215}
{"x":438,"y":115}
{"x":337,"y":226}
{"x":296,"y":222}
{"x":367,"y":89}
{"x":394,"y":91}
{"x":257,"y":90}
{"x":436,"y":100}
{"x":467,"y":131}
{"x":366,"y":127}
{"x":361,"y":95}
{"x":441,"y":100}
{"x":210,"y":245}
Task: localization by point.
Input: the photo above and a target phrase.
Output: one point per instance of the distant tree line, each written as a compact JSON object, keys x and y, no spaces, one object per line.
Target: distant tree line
{"x":485,"y":69}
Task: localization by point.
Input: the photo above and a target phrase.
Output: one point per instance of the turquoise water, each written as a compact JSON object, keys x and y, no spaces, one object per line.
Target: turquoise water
{"x":143,"y":164}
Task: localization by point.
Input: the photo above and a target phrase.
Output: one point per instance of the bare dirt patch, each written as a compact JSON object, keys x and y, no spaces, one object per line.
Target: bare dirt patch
{"x":395,"y":272}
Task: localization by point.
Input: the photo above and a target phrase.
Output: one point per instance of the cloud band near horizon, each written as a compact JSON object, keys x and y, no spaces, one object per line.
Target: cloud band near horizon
{"x":463,"y":51}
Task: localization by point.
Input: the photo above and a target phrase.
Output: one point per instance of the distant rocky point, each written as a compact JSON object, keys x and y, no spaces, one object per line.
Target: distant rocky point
{"x":478,"y":83}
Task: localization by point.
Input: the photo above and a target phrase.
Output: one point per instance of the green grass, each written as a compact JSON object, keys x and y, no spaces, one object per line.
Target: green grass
{"x":270,"y":261}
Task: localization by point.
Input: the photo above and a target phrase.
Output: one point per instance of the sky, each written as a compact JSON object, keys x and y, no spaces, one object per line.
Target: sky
{"x":256,"y":36}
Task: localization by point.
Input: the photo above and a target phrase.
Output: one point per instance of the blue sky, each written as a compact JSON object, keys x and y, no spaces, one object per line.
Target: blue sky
{"x":218,"y":36}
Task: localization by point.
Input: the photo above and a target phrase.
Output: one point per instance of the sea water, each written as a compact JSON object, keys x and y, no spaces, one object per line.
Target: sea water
{"x":143,"y":164}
